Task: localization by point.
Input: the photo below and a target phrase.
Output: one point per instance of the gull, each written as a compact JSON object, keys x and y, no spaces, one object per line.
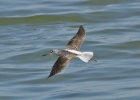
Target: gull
{"x":71,"y":51}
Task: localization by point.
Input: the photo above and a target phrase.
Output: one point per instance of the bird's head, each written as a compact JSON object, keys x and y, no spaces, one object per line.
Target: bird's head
{"x":54,"y":51}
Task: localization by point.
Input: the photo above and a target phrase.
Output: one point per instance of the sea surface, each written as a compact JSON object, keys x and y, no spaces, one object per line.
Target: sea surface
{"x":31,"y":28}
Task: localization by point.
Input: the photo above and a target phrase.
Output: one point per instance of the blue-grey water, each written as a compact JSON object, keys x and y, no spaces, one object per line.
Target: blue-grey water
{"x":31,"y":28}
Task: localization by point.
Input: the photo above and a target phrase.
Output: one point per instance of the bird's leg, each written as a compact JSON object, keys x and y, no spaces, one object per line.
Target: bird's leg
{"x":93,"y":60}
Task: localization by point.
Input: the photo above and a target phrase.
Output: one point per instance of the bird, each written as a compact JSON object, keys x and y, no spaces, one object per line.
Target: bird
{"x":71,"y":51}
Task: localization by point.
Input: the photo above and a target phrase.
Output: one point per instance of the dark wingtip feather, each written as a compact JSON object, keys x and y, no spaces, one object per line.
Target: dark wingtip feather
{"x":81,"y":31}
{"x":81,"y":28}
{"x":49,"y":76}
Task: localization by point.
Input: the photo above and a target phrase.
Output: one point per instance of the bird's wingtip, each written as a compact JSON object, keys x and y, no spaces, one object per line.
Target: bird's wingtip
{"x":82,"y":28}
{"x":49,"y":76}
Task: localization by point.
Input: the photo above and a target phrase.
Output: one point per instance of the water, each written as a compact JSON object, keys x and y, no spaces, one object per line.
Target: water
{"x":29,"y":29}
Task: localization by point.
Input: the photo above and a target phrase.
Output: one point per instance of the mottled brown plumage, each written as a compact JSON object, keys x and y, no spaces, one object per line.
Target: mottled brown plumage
{"x":76,"y":42}
{"x":60,"y":64}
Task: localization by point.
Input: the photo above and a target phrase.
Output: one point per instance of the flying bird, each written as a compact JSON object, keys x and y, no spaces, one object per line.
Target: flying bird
{"x":71,"y":51}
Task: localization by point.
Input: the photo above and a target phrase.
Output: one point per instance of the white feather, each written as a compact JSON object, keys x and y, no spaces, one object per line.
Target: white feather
{"x":84,"y":56}
{"x":73,"y":51}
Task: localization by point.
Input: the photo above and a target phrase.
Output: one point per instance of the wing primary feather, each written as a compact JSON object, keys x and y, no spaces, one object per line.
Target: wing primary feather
{"x":76,"y":42}
{"x":59,"y":65}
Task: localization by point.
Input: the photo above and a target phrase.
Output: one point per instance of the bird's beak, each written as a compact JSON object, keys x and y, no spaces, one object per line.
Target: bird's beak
{"x":45,"y":54}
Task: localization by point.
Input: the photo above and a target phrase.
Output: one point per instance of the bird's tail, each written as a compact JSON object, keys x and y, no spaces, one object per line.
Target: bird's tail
{"x":85,"y":56}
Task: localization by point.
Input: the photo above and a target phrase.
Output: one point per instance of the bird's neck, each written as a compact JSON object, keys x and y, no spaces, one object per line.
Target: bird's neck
{"x":58,"y":52}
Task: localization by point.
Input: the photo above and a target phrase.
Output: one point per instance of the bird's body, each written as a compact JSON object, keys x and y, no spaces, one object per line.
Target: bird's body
{"x":84,"y":56}
{"x":71,"y":51}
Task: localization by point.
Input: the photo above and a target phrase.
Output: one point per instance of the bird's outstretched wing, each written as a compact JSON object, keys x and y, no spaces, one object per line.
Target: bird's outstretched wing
{"x":76,"y":42}
{"x":60,"y":64}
